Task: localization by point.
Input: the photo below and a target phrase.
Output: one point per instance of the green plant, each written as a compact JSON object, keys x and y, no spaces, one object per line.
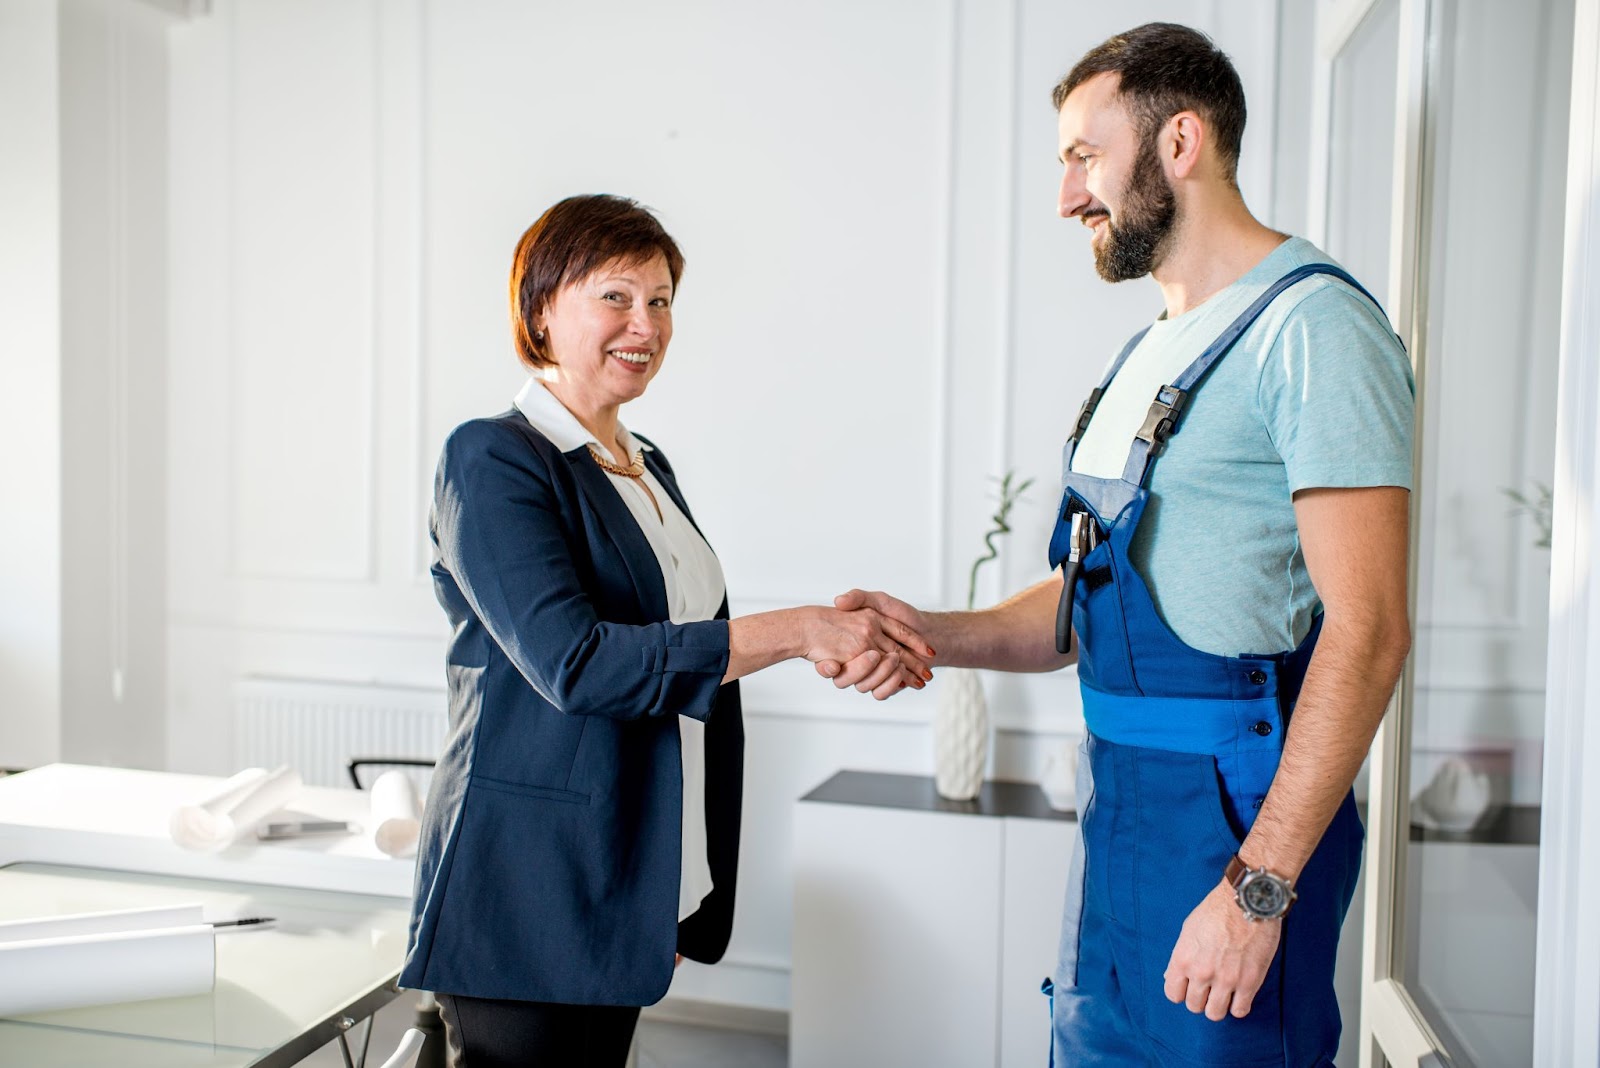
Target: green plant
{"x":1010,"y":492}
{"x":1539,"y":508}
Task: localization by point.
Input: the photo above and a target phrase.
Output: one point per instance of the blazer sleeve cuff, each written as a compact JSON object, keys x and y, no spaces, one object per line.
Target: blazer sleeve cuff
{"x":699,"y":649}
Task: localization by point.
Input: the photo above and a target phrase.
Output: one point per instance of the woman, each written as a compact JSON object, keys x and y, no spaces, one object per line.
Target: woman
{"x":583,"y":825}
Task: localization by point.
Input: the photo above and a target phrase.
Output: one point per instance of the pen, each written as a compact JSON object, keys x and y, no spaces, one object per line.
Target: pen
{"x":247,"y":921}
{"x":301,"y":828}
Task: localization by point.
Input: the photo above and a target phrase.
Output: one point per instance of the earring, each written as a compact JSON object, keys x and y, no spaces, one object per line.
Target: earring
{"x":538,"y":335}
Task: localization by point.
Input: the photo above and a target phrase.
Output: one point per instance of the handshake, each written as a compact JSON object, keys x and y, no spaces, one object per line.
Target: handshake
{"x":871,"y":641}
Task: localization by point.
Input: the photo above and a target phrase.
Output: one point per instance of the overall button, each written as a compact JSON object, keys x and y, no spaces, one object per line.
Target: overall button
{"x":1258,"y":677}
{"x":1263,"y":728}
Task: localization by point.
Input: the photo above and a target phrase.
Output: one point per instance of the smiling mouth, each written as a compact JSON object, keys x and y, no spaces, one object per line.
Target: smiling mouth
{"x":636,"y":358}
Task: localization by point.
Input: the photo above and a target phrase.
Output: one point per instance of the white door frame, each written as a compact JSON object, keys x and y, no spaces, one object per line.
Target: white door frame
{"x":1567,"y":962}
{"x":1392,"y":1028}
{"x":1567,"y":965}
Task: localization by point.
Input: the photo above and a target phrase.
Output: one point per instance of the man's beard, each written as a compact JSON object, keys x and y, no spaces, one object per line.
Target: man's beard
{"x":1136,"y":241}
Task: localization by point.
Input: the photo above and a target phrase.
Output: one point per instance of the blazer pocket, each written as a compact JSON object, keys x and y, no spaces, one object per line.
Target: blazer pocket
{"x":543,"y":793}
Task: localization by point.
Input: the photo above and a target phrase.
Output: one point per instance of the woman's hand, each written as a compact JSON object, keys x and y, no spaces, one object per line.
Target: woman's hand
{"x":861,"y":646}
{"x":862,"y":672}
{"x":884,"y":654}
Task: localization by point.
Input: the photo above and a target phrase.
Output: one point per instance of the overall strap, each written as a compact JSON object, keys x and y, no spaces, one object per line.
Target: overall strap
{"x":1086,"y":412}
{"x":1166,"y":411}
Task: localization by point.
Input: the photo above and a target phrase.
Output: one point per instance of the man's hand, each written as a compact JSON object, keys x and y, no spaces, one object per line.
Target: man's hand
{"x":865,"y":672}
{"x":1221,"y":958}
{"x":898,"y":657}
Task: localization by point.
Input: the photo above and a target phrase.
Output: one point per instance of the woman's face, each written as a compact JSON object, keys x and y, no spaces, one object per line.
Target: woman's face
{"x":608,"y":332}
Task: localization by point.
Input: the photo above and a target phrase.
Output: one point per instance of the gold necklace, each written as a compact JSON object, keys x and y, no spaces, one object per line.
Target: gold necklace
{"x":633,"y":470}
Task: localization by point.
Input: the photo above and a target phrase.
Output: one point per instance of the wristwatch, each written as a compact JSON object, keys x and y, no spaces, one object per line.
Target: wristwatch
{"x":1261,"y":894}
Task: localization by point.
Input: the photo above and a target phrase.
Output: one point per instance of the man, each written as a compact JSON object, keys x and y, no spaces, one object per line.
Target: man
{"x":1252,"y":566}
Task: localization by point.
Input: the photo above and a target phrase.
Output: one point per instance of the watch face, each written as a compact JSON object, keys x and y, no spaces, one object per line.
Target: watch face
{"x":1264,"y":896}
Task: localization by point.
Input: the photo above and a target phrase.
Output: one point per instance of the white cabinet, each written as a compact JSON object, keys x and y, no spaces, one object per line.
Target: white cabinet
{"x":923,"y":927}
{"x":1037,"y":852}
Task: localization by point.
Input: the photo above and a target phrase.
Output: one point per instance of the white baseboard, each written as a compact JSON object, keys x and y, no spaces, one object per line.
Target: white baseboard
{"x":738,"y":983}
{"x":716,"y":1014}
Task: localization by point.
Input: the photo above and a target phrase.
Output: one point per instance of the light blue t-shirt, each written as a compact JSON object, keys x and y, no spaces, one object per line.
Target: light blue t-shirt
{"x":1316,"y":393}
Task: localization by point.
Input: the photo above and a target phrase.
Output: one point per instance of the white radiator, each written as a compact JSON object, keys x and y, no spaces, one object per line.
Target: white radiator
{"x":314,"y":727}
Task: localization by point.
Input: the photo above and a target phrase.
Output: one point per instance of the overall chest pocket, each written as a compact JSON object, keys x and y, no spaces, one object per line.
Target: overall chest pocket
{"x":1104,"y":659}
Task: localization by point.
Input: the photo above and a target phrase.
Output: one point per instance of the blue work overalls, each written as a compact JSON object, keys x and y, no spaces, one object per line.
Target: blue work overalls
{"x":1181,"y":746}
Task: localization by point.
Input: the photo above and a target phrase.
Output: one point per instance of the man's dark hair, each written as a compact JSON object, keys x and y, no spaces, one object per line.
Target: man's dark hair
{"x":1166,"y":68}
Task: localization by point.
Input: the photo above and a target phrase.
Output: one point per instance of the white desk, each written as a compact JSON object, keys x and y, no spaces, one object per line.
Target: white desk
{"x":117,"y":818}
{"x":80,"y":839}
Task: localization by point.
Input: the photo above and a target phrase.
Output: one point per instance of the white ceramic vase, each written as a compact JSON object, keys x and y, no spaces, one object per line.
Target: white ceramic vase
{"x":960,"y":735}
{"x":1457,"y":798}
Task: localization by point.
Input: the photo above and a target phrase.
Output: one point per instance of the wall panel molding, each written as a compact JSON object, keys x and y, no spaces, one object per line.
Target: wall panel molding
{"x":303,"y":251}
{"x":113,"y":375}
{"x":939,"y":442}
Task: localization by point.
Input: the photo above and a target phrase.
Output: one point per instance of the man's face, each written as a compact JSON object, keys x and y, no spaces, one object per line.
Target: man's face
{"x":1112,"y":181}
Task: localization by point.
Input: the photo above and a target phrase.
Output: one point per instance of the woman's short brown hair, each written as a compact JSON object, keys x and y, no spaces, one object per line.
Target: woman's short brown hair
{"x":569,"y":242}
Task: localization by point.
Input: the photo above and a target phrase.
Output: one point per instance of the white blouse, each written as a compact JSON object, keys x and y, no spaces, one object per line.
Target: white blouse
{"x":695,"y":590}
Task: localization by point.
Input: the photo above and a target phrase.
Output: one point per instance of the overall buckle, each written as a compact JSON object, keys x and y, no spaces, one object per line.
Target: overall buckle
{"x":1086,"y":413}
{"x":1162,"y":419}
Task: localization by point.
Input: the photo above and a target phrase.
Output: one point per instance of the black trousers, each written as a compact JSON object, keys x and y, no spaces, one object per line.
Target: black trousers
{"x":487,"y":1033}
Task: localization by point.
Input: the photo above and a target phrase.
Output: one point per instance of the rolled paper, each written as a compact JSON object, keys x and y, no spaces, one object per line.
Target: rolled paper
{"x":130,"y":955}
{"x":217,"y":820}
{"x":396,"y":814}
{"x":117,"y":921}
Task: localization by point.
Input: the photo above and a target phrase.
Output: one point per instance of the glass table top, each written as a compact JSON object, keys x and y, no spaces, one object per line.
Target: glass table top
{"x":280,"y":988}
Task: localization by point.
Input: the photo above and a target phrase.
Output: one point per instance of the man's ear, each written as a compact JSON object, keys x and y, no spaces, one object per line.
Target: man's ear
{"x":1182,"y":140}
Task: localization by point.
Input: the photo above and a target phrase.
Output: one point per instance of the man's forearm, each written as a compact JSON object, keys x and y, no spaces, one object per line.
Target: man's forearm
{"x":1347,"y":687}
{"x":1016,"y":635}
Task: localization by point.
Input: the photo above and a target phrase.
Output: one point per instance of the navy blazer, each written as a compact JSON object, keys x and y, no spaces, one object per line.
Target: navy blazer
{"x":551,"y":847}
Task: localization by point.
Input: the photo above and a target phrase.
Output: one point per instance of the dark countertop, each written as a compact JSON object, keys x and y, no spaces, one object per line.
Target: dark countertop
{"x":879,"y":789}
{"x":1515,"y":825}
{"x":1512,"y":825}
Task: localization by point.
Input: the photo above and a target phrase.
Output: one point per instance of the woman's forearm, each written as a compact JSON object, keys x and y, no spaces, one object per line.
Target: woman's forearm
{"x":887,"y":646}
{"x":765,"y":638}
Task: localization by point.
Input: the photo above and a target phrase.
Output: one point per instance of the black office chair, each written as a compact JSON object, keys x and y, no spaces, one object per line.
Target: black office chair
{"x":427,"y":1019}
{"x":354,"y":765}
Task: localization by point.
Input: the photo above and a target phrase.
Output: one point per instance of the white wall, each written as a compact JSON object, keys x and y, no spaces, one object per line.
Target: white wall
{"x":30,"y":407}
{"x":82,"y":424}
{"x":880,"y":311}
{"x":113,"y":382}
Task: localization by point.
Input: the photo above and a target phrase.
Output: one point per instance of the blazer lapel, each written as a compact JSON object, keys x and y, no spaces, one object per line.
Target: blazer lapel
{"x":671,"y":486}
{"x":623,"y":530}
